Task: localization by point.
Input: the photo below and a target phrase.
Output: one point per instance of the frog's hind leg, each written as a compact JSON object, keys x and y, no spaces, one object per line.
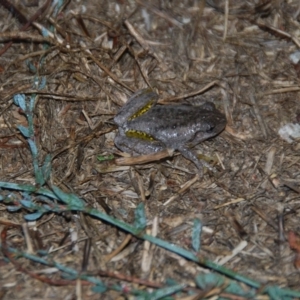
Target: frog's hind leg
{"x":188,"y":154}
{"x":136,"y":146}
{"x":138,"y":104}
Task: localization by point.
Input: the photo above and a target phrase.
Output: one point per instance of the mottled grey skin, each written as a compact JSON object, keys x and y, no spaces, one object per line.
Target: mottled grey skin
{"x":177,"y":127}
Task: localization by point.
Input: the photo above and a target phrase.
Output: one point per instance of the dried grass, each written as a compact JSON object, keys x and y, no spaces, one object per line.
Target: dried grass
{"x":104,"y":50}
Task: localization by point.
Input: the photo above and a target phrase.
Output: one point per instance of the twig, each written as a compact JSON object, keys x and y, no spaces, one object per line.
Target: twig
{"x":107,"y":71}
{"x":16,"y":35}
{"x":265,"y":217}
{"x":260,"y":120}
{"x":22,"y":18}
{"x":160,"y":13}
{"x":183,"y":189}
{"x":226,"y":20}
{"x":19,"y":267}
{"x":119,"y":249}
{"x":277,"y":31}
{"x":187,"y":95}
{"x":142,"y":159}
{"x":143,"y":42}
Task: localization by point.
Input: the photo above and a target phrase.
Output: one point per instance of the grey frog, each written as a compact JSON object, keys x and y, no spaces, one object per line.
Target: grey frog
{"x":145,"y":128}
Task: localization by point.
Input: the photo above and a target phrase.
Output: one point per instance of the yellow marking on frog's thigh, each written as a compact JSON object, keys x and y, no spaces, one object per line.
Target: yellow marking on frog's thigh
{"x":143,"y":110}
{"x":139,"y":135}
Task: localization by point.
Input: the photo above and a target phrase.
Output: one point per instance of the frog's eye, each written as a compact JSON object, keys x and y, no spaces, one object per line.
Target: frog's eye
{"x":210,"y":127}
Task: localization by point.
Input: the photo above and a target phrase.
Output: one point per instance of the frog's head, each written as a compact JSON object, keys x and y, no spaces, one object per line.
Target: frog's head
{"x":212,"y":123}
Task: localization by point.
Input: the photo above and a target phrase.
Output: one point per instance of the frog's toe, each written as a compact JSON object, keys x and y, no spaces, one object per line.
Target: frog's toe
{"x":188,"y":154}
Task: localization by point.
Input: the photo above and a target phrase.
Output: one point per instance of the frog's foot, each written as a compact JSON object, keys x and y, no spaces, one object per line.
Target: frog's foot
{"x":136,"y":146}
{"x":188,"y":154}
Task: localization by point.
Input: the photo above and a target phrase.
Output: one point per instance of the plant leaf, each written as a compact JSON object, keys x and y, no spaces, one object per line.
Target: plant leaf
{"x":13,"y":208}
{"x":46,"y":168}
{"x":73,"y":202}
{"x":140,"y":220}
{"x":208,"y":281}
{"x":19,"y":100}
{"x":196,"y":235}
{"x":34,"y":216}
{"x":24,"y":130}
{"x":33,"y":147}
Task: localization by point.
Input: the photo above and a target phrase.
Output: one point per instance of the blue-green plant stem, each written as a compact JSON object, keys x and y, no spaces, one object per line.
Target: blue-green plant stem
{"x":76,"y":204}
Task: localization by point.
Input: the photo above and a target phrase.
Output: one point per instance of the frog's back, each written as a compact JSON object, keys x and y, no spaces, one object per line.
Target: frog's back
{"x":179,"y":124}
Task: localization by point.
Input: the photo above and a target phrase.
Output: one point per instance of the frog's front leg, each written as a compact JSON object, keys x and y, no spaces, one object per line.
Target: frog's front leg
{"x":188,"y":154}
{"x":136,"y":146}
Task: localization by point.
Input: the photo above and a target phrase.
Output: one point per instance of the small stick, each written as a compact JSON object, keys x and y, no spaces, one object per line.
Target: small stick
{"x":282,"y":33}
{"x":260,"y":120}
{"x":183,"y":189}
{"x":119,"y":249}
{"x":226,"y":20}
{"x":143,"y":42}
{"x":15,"y":35}
{"x":160,"y":13}
{"x":22,"y":18}
{"x":142,"y":159}
{"x":187,"y":95}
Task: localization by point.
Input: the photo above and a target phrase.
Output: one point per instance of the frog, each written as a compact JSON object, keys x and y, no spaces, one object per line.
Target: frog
{"x":144,"y":127}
